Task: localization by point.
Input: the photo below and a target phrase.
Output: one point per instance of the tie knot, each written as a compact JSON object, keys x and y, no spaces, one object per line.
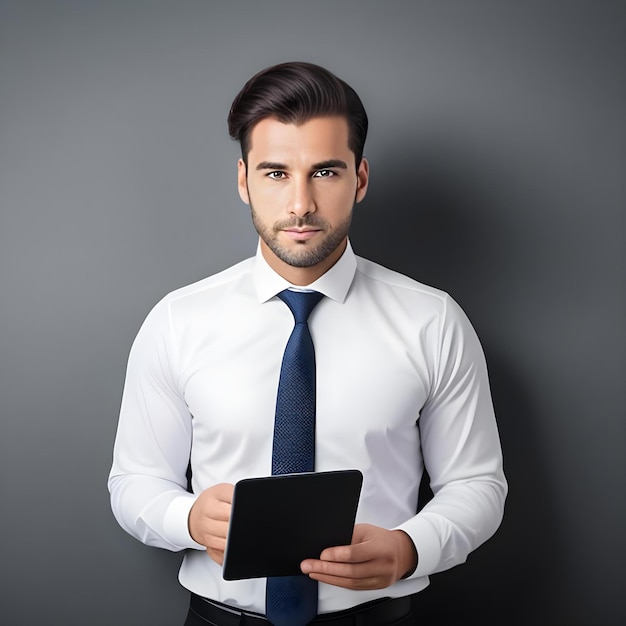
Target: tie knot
{"x":301,"y":303}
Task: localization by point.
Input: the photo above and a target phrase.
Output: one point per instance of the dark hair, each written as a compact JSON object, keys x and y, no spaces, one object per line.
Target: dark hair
{"x":295,"y":93}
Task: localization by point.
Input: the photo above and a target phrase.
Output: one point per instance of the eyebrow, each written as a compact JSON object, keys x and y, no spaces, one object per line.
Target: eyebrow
{"x":322,"y":165}
{"x":330,"y":163}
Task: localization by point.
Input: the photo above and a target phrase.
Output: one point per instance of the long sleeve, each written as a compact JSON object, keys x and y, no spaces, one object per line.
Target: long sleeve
{"x":148,"y":477}
{"x":461,"y":451}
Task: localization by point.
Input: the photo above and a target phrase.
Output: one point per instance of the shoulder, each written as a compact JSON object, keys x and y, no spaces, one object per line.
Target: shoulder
{"x":222,"y":280}
{"x":210,"y":289}
{"x":378,"y":277}
{"x":409,"y":298}
{"x":202,"y":295}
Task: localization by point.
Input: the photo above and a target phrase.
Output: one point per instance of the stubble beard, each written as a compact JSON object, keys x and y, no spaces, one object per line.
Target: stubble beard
{"x":305,"y":253}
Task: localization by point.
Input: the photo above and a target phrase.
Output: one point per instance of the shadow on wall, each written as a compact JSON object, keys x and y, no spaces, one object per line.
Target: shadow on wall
{"x":440,"y":224}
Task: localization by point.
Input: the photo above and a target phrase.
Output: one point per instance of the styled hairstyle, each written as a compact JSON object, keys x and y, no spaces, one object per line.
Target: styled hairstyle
{"x":294,"y":93}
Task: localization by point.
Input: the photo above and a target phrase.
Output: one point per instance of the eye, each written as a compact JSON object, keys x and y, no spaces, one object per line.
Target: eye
{"x":276,"y":175}
{"x":324,"y":174}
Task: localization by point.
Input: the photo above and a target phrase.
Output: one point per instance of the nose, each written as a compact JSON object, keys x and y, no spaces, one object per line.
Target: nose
{"x":302,"y":201}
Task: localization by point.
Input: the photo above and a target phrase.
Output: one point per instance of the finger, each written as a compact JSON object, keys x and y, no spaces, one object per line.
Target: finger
{"x":216,"y":555}
{"x":215,"y":543}
{"x":215,"y":528}
{"x":219,"y":511}
{"x":357,"y":584}
{"x":359,"y":549}
{"x":213,"y":535}
{"x":339,"y":570}
{"x":369,"y":575}
{"x":224,"y":492}
{"x":356,"y":553}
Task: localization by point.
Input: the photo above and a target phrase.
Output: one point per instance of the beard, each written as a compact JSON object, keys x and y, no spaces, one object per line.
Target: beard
{"x":305,"y":253}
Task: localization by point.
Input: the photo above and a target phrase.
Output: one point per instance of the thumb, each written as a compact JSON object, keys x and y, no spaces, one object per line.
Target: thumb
{"x":362,"y":533}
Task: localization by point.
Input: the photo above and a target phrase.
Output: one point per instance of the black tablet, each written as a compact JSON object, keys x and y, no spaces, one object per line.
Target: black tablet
{"x":278,"y":521}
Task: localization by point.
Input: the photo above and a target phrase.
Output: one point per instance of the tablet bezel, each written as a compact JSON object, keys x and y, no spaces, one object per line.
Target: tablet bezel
{"x":278,"y":521}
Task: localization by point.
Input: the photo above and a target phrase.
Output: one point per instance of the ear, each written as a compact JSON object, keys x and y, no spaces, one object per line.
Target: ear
{"x":242,"y":183}
{"x":362,"y":178}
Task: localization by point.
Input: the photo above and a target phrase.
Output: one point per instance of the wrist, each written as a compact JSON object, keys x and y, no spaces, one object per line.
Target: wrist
{"x":407,"y":561}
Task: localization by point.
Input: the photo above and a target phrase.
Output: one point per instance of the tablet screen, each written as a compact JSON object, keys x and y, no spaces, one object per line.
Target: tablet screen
{"x":278,"y":521}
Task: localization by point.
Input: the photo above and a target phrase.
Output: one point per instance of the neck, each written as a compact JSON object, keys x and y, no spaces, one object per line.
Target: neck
{"x":302,"y":276}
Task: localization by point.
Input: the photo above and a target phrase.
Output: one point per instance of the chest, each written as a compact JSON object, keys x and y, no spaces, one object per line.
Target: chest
{"x":372,"y":374}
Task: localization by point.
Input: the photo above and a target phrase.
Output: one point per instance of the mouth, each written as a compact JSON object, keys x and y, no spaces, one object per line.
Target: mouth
{"x":301,"y":234}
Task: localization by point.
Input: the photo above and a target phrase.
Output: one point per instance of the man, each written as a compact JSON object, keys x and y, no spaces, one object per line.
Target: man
{"x":401,"y":383}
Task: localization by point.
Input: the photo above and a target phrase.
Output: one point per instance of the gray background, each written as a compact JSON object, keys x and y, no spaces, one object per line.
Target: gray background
{"x":497,"y":151}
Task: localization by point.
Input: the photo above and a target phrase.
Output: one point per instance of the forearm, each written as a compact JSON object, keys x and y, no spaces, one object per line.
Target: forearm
{"x":153,"y":510}
{"x":455,"y":522}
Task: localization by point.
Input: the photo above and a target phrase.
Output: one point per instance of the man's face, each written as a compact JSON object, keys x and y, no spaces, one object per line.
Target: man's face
{"x":301,"y":183}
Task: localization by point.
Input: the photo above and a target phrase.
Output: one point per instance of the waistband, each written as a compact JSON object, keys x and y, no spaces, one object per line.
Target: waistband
{"x":373,"y":613}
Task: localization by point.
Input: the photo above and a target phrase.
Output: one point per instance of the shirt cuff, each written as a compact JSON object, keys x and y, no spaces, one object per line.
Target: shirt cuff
{"x":176,"y":522}
{"x":427,"y":545}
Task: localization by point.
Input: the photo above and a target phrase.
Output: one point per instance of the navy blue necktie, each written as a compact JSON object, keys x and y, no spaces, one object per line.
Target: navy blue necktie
{"x":292,"y":600}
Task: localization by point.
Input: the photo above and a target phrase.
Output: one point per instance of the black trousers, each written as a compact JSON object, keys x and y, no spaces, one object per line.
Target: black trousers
{"x":193,"y":619}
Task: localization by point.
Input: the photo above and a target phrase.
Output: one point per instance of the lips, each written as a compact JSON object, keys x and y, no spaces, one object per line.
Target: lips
{"x":301,"y":234}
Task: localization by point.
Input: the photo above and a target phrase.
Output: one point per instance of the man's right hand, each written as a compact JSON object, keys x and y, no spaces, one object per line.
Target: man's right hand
{"x":209,"y":517}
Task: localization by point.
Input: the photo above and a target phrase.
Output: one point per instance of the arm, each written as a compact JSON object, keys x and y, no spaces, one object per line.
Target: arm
{"x":148,"y":483}
{"x":461,"y":450}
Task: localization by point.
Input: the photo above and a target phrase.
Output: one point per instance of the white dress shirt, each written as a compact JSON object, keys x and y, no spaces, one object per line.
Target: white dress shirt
{"x":401,"y":383}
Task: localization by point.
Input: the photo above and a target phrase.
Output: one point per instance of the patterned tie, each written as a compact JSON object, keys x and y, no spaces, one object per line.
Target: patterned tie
{"x":292,"y":600}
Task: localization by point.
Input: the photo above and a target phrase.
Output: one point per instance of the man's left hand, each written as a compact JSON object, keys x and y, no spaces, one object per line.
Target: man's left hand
{"x":375,"y":559}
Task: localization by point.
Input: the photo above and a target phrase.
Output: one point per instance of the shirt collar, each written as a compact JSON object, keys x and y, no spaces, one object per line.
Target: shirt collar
{"x":334,"y":284}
